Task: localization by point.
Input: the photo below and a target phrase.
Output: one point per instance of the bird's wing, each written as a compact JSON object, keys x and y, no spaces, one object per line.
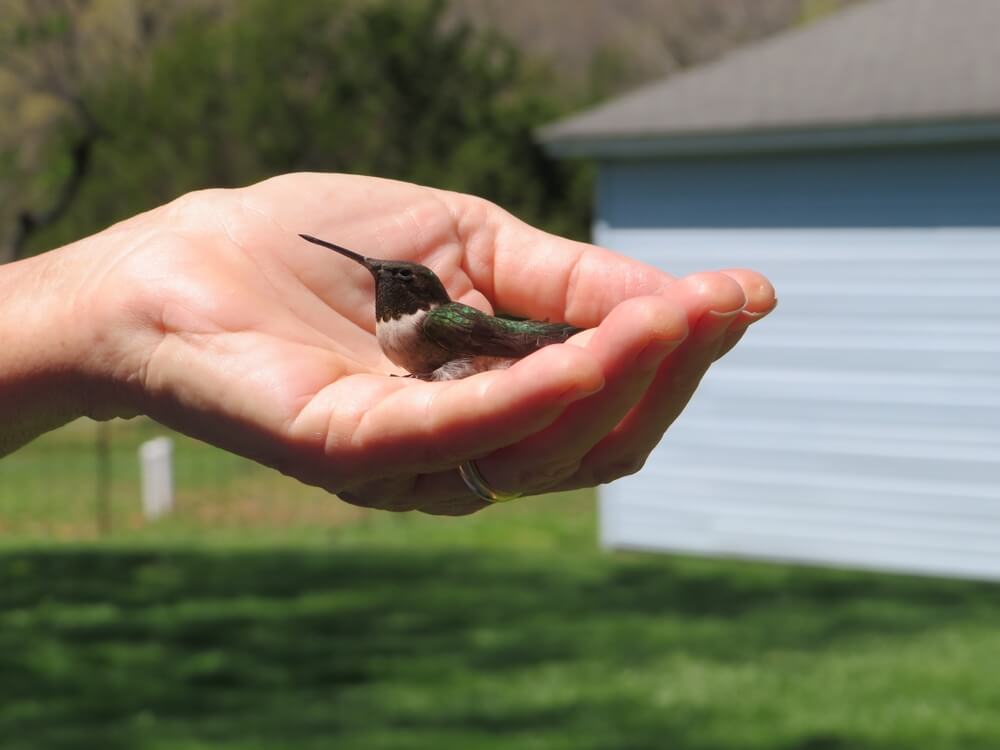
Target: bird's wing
{"x":465,"y":330}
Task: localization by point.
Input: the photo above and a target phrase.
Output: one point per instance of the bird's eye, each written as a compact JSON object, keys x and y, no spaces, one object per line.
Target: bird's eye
{"x":405,"y":273}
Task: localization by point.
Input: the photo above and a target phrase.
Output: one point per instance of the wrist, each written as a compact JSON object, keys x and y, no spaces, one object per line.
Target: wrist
{"x":48,"y":375}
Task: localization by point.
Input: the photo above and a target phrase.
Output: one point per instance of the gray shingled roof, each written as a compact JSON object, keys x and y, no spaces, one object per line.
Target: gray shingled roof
{"x":898,"y":62}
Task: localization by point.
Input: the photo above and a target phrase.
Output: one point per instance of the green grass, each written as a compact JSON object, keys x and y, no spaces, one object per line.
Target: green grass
{"x":48,"y":491}
{"x":508,"y":629}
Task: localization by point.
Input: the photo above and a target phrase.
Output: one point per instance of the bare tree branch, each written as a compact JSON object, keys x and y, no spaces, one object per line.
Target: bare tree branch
{"x":52,"y":65}
{"x":30,"y":222}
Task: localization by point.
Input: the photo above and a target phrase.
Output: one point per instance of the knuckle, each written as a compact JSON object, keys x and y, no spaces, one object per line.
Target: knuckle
{"x":194,"y":203}
{"x":549,"y":475}
{"x":714,"y":284}
{"x":619,"y":468}
{"x":351,"y":497}
{"x":453,"y":507}
{"x":381,"y":495}
{"x":685,"y":381}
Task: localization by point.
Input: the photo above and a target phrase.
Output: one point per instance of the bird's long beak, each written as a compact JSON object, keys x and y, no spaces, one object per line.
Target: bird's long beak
{"x":371,"y":264}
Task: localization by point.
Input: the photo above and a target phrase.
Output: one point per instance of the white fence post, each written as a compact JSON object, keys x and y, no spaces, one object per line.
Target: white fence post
{"x":157,"y":471}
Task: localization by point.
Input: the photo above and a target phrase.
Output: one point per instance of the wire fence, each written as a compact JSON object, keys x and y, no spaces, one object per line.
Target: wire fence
{"x":83,"y":481}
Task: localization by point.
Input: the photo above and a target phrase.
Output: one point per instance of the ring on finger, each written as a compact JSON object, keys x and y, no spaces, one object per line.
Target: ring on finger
{"x":473,"y":478}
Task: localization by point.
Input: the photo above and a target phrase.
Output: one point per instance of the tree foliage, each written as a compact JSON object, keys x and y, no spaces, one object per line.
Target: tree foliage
{"x":377,"y":87}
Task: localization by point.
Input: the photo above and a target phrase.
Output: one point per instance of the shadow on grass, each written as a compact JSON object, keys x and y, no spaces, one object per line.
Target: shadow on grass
{"x":384,"y":649}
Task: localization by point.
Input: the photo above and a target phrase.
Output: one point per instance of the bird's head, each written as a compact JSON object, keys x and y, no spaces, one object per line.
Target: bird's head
{"x":401,"y":287}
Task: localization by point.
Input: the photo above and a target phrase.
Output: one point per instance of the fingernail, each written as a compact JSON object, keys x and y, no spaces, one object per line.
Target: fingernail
{"x":728,"y":315}
{"x":715,"y":323}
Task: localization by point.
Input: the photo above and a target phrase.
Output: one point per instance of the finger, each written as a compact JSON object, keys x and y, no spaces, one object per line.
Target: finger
{"x":401,"y":494}
{"x":715,"y":302}
{"x":391,"y":493}
{"x":526,"y":271}
{"x":630,"y":344}
{"x":760,"y":302}
{"x":457,"y":506}
{"x":367,"y":427}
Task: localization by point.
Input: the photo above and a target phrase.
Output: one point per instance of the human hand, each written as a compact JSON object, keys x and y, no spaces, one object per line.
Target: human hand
{"x":211,"y":315}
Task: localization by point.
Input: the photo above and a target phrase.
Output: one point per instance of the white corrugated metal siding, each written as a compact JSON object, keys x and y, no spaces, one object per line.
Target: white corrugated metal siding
{"x":859,"y":425}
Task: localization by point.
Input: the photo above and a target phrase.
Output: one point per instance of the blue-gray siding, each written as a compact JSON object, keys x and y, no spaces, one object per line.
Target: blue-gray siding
{"x":860,"y":425}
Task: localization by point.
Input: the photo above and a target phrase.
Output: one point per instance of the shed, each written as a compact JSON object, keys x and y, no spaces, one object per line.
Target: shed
{"x":856,"y":162}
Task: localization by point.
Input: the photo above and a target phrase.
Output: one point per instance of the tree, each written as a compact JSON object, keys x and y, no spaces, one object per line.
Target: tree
{"x":50,"y":53}
{"x":384,"y":88}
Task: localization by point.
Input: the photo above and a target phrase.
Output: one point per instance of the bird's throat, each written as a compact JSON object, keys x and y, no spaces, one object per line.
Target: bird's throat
{"x":395,"y":303}
{"x":401,"y":341}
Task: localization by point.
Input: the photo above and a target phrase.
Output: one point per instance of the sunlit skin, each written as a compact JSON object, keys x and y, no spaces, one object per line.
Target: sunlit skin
{"x":212,"y":316}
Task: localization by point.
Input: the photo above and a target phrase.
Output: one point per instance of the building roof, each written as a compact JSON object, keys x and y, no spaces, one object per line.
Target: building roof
{"x":880,"y":71}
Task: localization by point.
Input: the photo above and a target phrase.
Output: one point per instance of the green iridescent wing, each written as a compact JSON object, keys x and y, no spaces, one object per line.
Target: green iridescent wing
{"x":465,"y":330}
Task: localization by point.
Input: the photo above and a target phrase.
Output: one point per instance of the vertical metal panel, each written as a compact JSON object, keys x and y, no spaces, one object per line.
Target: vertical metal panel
{"x":860,"y":425}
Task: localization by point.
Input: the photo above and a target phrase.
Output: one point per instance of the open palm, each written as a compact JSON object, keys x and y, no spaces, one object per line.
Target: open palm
{"x":222,"y":323}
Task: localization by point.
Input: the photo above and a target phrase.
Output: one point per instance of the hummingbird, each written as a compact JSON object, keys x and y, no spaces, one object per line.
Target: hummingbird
{"x":422,"y":330}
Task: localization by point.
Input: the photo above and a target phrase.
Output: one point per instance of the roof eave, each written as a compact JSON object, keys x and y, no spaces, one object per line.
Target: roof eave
{"x":638,"y":145}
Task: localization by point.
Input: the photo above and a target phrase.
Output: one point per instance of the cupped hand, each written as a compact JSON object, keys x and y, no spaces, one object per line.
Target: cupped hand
{"x":211,"y":315}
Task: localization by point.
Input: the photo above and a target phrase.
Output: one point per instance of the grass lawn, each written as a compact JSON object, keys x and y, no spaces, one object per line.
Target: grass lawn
{"x":509,"y":629}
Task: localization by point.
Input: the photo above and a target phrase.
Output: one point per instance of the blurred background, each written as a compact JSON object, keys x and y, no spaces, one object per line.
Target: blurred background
{"x":258,"y":613}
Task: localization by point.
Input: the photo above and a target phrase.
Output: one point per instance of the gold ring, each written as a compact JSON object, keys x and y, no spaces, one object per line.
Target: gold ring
{"x":473,"y":478}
